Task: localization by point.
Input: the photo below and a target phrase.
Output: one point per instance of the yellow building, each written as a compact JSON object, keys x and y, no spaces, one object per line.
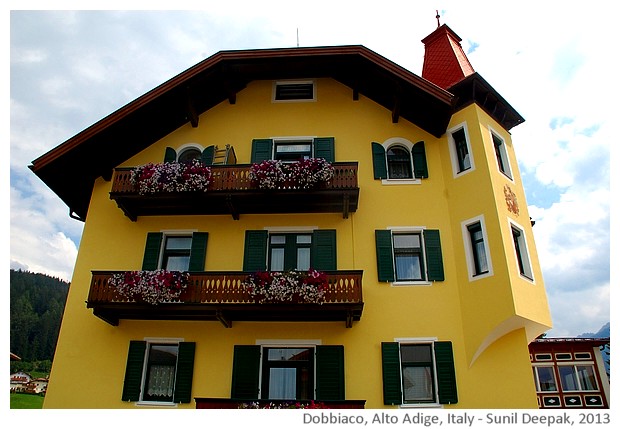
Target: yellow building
{"x":395,"y":266}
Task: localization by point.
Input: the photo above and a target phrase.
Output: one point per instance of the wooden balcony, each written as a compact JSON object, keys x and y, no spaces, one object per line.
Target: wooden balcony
{"x":221,"y":296}
{"x":232,"y":192}
{"x":224,"y":403}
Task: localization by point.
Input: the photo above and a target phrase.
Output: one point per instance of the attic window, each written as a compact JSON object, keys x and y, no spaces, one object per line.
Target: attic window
{"x":294,"y":91}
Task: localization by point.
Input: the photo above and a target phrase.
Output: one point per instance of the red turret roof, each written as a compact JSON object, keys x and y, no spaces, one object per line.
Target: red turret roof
{"x":445,"y":62}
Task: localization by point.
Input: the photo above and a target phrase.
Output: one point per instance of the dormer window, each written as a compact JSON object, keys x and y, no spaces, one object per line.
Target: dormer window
{"x":287,"y":91}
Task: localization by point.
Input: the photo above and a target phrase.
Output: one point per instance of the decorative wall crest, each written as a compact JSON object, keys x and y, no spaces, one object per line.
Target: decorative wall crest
{"x":511,"y":200}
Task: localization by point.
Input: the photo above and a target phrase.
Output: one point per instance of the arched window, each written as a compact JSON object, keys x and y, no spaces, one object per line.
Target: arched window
{"x":189,"y":154}
{"x":399,"y":163}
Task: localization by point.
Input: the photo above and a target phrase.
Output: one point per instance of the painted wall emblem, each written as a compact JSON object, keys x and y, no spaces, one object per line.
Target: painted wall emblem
{"x":511,"y":200}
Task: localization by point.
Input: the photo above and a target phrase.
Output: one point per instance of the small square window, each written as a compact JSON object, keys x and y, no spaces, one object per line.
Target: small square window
{"x":563,"y":356}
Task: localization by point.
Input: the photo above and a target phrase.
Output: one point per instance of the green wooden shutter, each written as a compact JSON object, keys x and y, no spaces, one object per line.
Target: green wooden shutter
{"x":151,"y":251}
{"x":208,"y":154}
{"x":379,"y":165}
{"x":385,"y":258}
{"x":261,"y":150}
{"x":434,"y":260}
{"x":246,"y":367}
{"x":330,"y":373}
{"x":133,"y":371}
{"x":324,"y":148}
{"x":255,"y":251}
{"x":185,"y":373}
{"x":198,"y":252}
{"x":446,"y":376}
{"x":324,"y":257}
{"x":419,"y":161}
{"x":392,"y":393}
{"x":170,"y":155}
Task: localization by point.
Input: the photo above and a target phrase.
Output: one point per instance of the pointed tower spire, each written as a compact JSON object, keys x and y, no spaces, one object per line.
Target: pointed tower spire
{"x":445,"y":62}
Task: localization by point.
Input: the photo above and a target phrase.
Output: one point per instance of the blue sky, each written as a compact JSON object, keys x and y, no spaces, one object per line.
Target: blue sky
{"x":70,"y":69}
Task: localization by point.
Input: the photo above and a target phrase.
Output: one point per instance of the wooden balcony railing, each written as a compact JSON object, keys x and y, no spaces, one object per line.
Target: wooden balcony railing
{"x":225,"y":403}
{"x":232,"y":192}
{"x":221,"y":296}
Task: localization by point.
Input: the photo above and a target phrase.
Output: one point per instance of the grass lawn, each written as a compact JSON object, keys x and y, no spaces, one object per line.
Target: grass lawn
{"x":24,"y":401}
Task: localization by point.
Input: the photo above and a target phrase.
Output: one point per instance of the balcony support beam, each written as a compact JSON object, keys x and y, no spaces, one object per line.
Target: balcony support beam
{"x":223,"y":319}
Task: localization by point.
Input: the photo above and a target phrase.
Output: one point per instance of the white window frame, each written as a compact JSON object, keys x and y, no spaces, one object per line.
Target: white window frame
{"x":412,"y":230}
{"x":294,"y":82}
{"x":453,"y":154}
{"x":400,"y":141}
{"x":469,"y":256}
{"x":503,"y":153}
{"x":526,"y":260}
{"x":188,"y":146}
{"x":171,"y":233}
{"x":573,"y":365}
{"x":149,"y":341}
{"x":537,"y":380}
{"x":421,"y":341}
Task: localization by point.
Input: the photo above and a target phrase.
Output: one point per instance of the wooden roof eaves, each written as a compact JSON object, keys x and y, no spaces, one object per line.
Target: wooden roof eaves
{"x":234,"y":55}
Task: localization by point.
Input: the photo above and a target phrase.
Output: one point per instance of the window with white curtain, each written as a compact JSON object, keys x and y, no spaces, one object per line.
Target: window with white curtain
{"x":288,"y":373}
{"x":160,"y":372}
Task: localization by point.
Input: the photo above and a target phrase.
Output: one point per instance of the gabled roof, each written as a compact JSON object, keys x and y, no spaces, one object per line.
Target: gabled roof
{"x":218,"y":78}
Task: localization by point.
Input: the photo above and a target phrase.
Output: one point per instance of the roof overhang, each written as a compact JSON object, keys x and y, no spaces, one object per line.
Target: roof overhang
{"x":181,"y":100}
{"x":474,"y":89}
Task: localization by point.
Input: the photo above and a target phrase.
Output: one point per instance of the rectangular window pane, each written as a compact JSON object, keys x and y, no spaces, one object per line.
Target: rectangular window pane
{"x":587,"y":379}
{"x":303,"y":259}
{"x":568,"y":378}
{"x":304,"y":239}
{"x":406,"y":241}
{"x":282,"y":383}
{"x":176,"y":243}
{"x":161,"y":368}
{"x":408,"y":267}
{"x":416,"y":353}
{"x":417,"y":384}
{"x":177,"y":263}
{"x":277,"y":239}
{"x":277,"y":259}
{"x":462,"y":152}
{"x":546,"y":379}
{"x":288,"y":354}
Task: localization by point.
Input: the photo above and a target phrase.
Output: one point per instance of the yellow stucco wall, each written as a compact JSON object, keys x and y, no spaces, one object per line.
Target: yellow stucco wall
{"x":487,"y":320}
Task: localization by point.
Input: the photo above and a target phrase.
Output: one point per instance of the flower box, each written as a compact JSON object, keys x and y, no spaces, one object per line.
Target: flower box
{"x":304,"y":174}
{"x":152,"y":287}
{"x":290,"y":286}
{"x":171,"y":177}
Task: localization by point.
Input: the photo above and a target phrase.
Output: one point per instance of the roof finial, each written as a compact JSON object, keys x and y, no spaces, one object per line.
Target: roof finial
{"x":437,"y":16}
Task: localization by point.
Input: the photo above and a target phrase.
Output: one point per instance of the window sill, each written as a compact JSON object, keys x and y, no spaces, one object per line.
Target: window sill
{"x":415,"y":283}
{"x":401,"y":181}
{"x":421,"y":405}
{"x":156,"y":404}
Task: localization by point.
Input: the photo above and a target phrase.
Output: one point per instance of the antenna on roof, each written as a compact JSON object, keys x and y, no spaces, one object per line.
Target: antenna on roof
{"x":437,"y":16}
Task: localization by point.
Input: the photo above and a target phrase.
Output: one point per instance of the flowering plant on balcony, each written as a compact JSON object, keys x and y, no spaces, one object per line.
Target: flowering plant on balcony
{"x":153,"y":287}
{"x":305,"y":174}
{"x":275,"y":286}
{"x":281,"y":405}
{"x":171,"y":177}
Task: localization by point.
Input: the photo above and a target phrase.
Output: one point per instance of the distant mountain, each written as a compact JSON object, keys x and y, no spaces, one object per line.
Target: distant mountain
{"x":602,"y":333}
